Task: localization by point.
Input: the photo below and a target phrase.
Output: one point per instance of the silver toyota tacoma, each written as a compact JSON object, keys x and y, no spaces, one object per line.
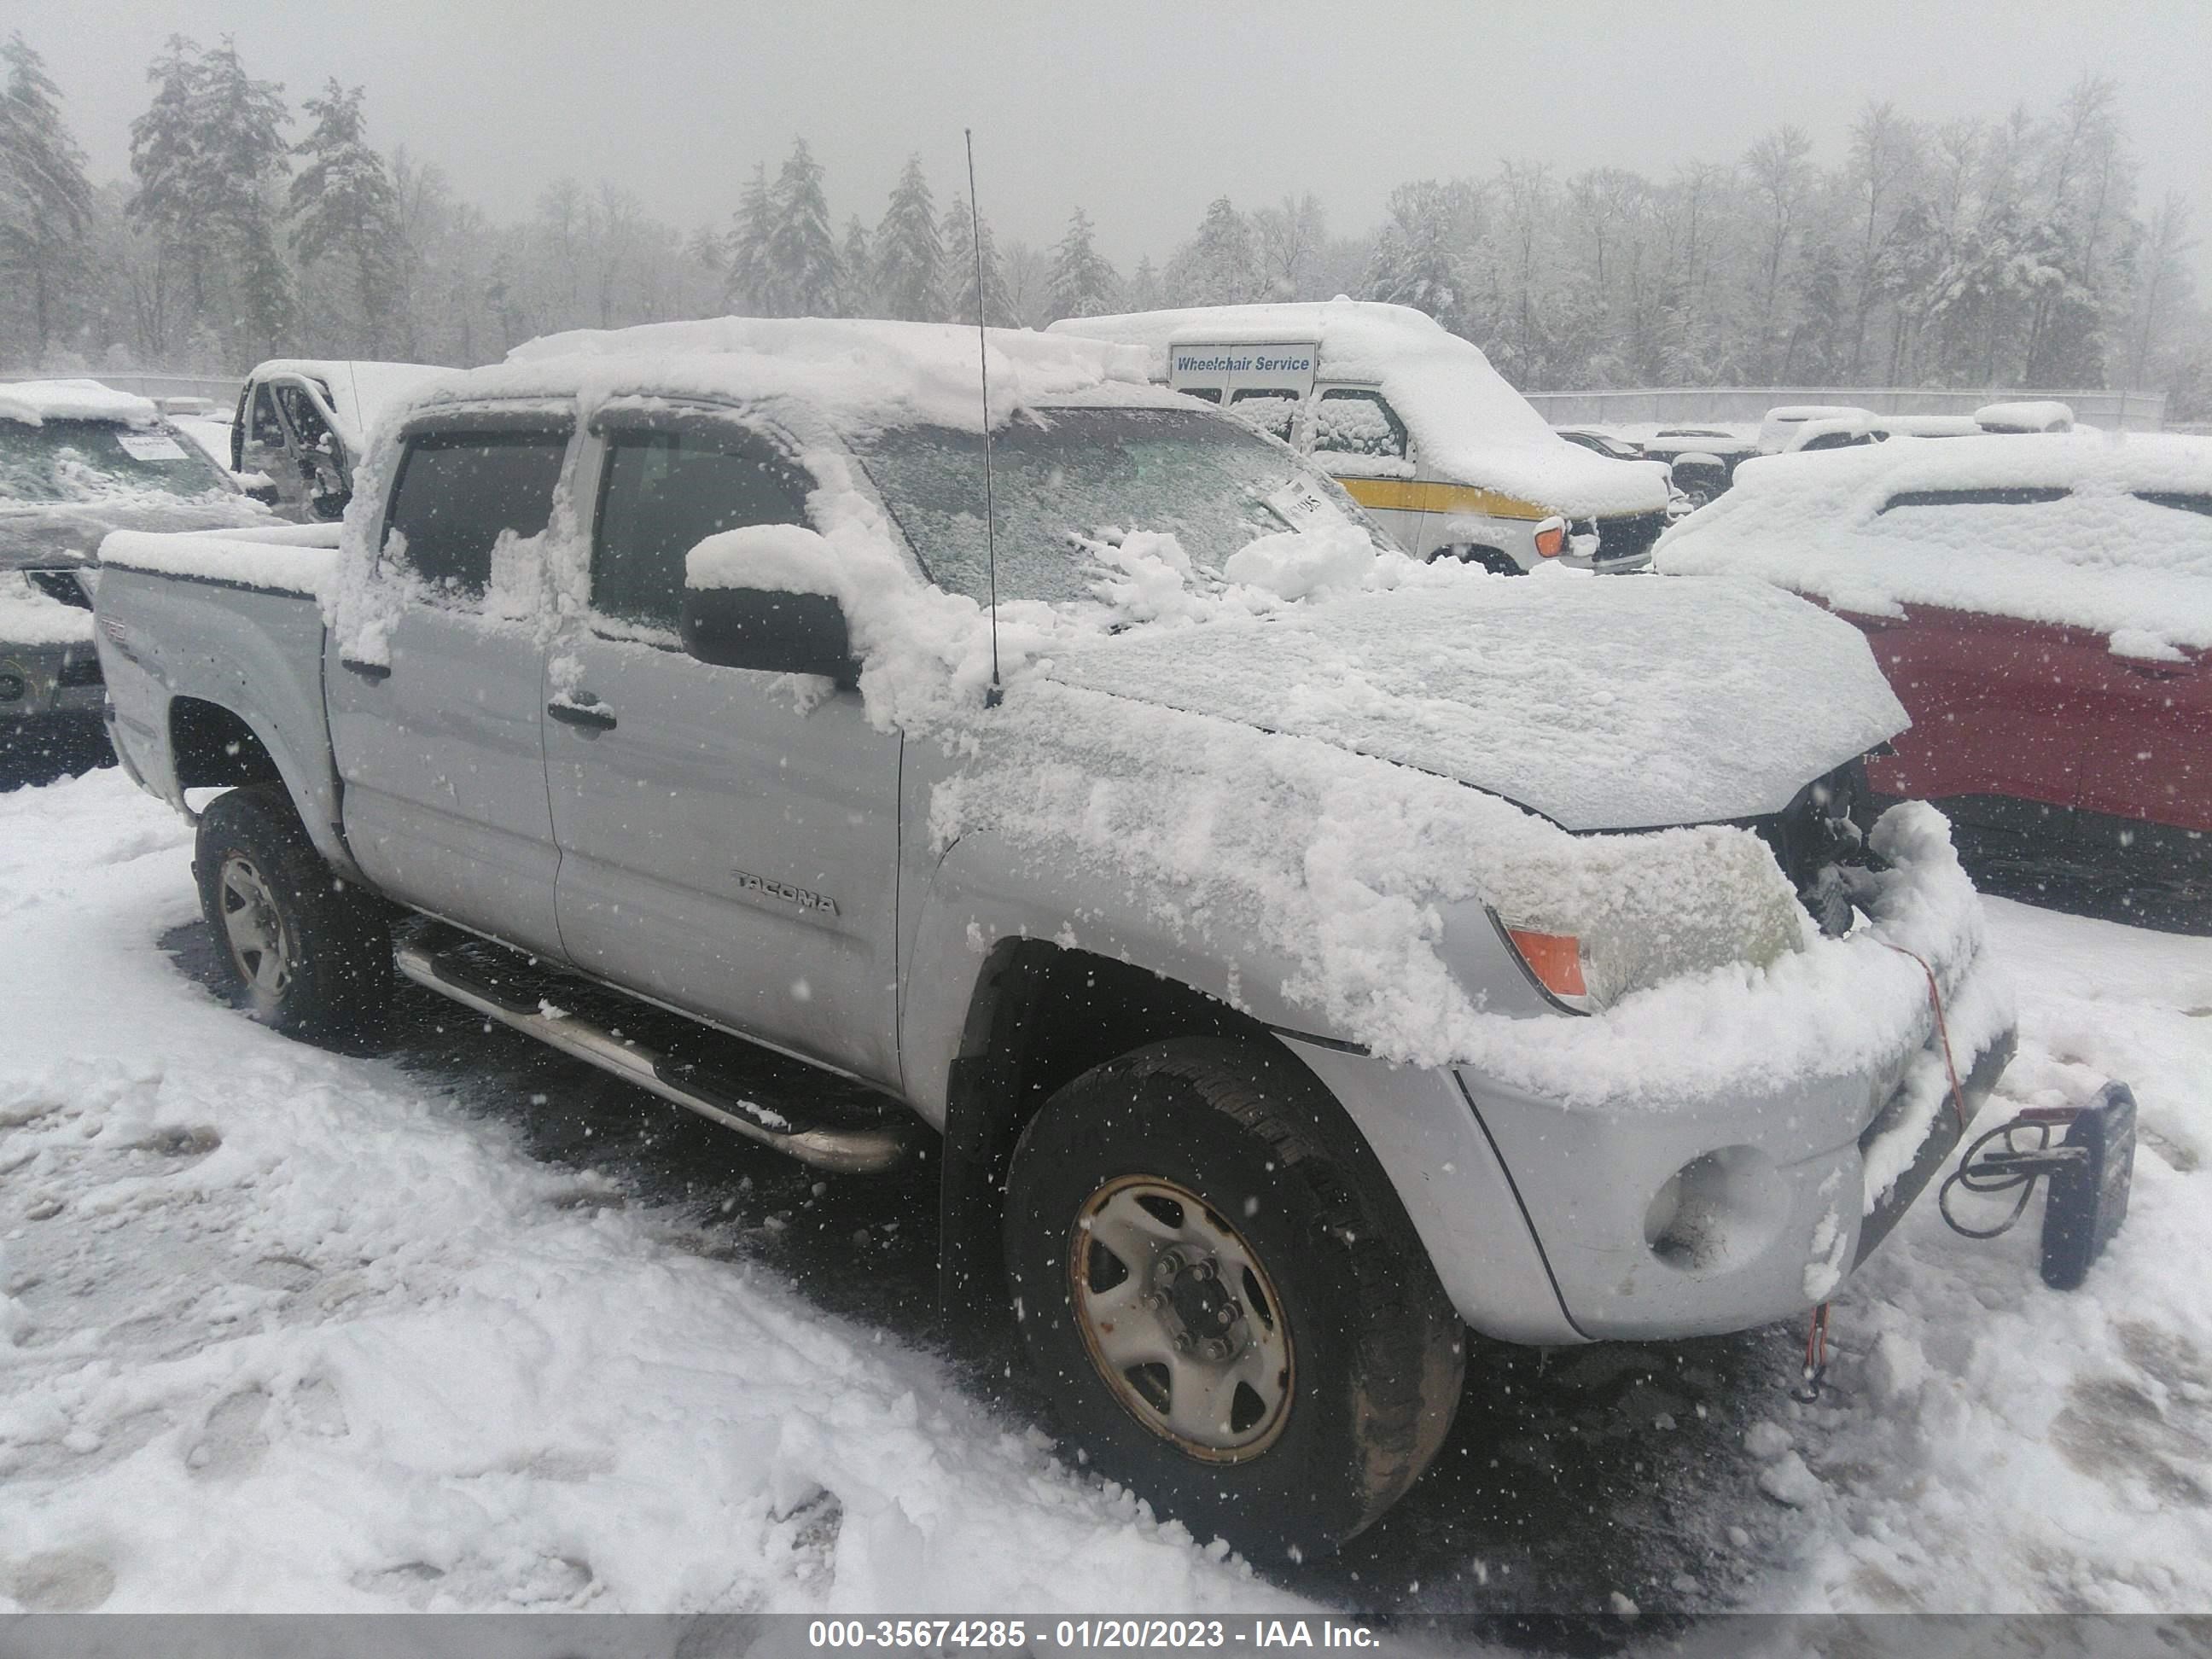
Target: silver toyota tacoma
{"x":1291,"y":955}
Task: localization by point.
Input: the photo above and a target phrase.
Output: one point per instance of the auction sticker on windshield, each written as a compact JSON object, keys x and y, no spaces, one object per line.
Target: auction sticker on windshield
{"x":1301,"y":507}
{"x":150,"y":446}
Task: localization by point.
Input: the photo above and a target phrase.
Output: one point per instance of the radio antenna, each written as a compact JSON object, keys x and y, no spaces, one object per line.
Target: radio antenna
{"x":991,"y":698}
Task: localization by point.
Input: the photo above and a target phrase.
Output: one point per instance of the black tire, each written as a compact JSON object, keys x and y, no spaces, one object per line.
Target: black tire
{"x":325,"y":972}
{"x":1375,"y":1351}
{"x":1497,"y":561}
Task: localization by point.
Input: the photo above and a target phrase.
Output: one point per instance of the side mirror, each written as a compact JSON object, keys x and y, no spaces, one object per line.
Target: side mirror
{"x":774,"y":633}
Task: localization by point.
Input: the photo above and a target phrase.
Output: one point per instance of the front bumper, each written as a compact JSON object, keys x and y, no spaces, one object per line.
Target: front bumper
{"x":1538,"y":1217}
{"x":1753,"y":1209}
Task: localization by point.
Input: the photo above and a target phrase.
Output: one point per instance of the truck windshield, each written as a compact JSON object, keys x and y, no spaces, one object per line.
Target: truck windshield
{"x":1064,"y":478}
{"x":64,"y":460}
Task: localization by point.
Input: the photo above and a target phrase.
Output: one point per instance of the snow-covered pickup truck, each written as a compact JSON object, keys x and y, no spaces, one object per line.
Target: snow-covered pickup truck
{"x":1291,"y":953}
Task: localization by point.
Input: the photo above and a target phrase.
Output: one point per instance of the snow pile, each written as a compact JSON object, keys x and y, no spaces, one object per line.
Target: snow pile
{"x":31,"y":616}
{"x":275,"y":558}
{"x":284,"y":1331}
{"x":778,"y":558}
{"x":862,"y":374}
{"x":1468,"y":424}
{"x":1293,"y":564}
{"x":2101,"y":558}
{"x":2025,"y":415}
{"x":1781,"y":422}
{"x":34,"y":403}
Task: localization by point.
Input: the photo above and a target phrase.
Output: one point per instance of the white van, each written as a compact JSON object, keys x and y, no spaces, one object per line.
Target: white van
{"x":1413,"y":422}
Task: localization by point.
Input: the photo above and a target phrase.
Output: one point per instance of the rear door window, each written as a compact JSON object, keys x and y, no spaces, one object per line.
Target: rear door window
{"x":461,"y":494}
{"x":663,"y":492}
{"x":1348,"y":423}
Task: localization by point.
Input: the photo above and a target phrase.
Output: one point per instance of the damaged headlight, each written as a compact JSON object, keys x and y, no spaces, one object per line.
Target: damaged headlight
{"x":1616,"y":913}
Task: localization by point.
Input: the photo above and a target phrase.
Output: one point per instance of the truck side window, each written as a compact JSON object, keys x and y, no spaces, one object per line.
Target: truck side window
{"x":307,"y":424}
{"x":458,"y":491}
{"x":1266,"y":410}
{"x":663,"y":492}
{"x":1357,"y":424}
{"x":1205,"y":394}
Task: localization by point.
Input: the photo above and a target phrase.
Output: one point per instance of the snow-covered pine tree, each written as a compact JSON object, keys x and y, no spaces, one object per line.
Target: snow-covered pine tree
{"x":802,"y":253}
{"x":165,"y":161}
{"x":46,"y":201}
{"x":1144,"y":293}
{"x":960,"y":235}
{"x":209,"y":156}
{"x":1083,"y":284}
{"x":856,"y":272}
{"x":243,"y":151}
{"x":1218,"y":266}
{"x":753,"y":222}
{"x":344,"y":206}
{"x":1420,"y":257}
{"x":910,"y":252}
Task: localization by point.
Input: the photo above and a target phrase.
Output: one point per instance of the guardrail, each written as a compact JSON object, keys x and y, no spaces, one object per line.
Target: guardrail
{"x":2132,"y":411}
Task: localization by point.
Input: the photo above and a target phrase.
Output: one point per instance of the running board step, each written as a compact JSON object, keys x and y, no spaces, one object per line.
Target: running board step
{"x":862,"y":1147}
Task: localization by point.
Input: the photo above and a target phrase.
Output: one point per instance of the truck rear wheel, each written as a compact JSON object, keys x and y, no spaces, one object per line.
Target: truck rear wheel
{"x":305,"y":953}
{"x":1224,"y":1299}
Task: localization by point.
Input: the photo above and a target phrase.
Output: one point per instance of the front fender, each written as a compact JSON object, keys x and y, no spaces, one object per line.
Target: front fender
{"x":982,"y":892}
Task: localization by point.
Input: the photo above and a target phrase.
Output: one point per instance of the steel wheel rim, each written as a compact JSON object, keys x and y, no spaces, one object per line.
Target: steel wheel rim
{"x":254,"y":929}
{"x":1152,"y":1269}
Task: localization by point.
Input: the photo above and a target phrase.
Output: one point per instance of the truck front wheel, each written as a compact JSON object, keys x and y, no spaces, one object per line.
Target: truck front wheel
{"x":303,"y":951}
{"x":1224,"y":1297}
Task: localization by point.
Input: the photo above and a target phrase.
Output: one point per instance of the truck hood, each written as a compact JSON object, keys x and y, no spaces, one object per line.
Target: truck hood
{"x":1602,"y":703}
{"x":61,"y":532}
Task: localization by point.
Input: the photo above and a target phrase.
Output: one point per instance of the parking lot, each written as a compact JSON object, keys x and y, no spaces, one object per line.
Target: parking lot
{"x":471,"y":1327}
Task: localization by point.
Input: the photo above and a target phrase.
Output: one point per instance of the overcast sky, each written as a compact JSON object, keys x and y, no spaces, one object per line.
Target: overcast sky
{"x":1139,"y":112}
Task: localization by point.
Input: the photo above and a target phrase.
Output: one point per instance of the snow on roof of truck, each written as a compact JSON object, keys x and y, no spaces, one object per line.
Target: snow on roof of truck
{"x":1468,"y":421}
{"x":857,"y":374}
{"x":34,"y":403}
{"x":362,"y":393}
{"x":2110,"y":532}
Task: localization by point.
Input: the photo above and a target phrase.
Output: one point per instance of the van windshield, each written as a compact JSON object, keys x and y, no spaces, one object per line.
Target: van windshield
{"x":1063,"y":477}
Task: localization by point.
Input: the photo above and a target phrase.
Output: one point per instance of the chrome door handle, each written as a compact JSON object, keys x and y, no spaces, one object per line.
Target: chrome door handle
{"x":592,"y":716}
{"x":368,"y":670}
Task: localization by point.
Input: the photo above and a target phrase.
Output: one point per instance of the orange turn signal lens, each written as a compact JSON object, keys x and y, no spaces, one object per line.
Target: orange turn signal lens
{"x":1552,"y":537}
{"x":1556,"y":960}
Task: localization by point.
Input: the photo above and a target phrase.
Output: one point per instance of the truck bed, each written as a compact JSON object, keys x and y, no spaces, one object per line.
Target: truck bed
{"x":198,"y":630}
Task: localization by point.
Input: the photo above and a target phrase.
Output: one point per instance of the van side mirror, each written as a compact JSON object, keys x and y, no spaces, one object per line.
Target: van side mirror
{"x":774,"y":633}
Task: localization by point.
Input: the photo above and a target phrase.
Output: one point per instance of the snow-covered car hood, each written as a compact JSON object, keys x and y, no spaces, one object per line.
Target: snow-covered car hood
{"x":2107,"y":533}
{"x":55,"y":532}
{"x":1613,"y":704}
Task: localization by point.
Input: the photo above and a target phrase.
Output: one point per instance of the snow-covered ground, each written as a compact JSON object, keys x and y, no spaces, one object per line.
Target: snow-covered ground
{"x":285,"y":1330}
